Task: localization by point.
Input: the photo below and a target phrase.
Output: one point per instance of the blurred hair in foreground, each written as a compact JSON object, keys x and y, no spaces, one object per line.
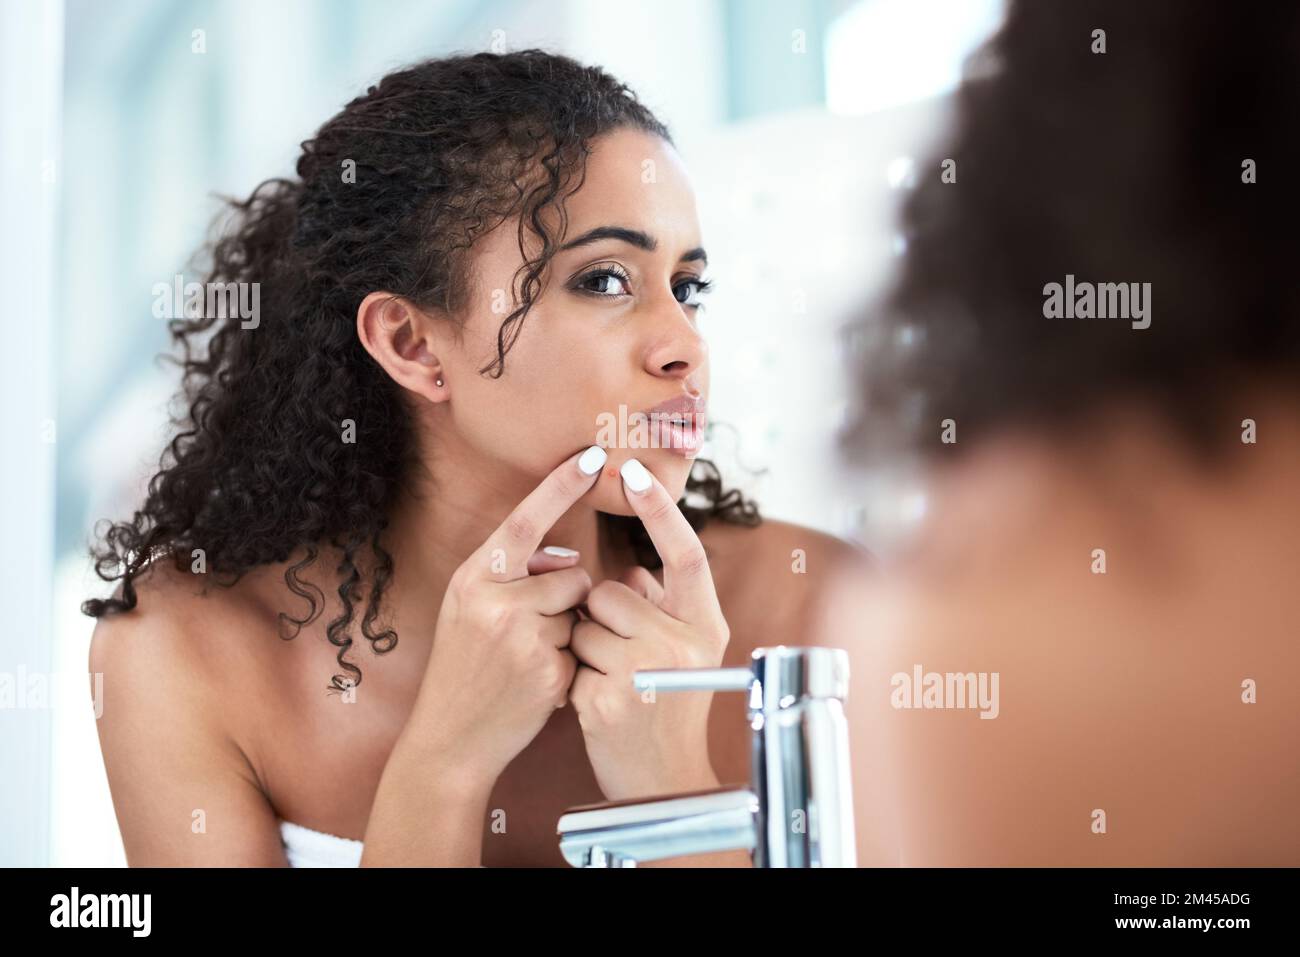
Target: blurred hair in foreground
{"x":1123,"y":166}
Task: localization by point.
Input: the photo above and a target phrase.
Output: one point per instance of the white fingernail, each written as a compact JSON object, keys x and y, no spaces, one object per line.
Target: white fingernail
{"x":635,"y":475}
{"x":592,"y":460}
{"x":559,"y":551}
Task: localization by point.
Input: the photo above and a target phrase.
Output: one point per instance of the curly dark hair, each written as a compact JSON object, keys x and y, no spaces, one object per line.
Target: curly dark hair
{"x":255,"y":471}
{"x":1119,"y":166}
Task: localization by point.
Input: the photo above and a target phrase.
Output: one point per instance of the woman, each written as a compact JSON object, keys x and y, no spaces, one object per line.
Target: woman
{"x":1109,"y":547}
{"x":482,"y":263}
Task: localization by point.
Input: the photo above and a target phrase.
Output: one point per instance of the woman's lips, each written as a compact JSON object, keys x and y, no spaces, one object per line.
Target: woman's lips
{"x":677,"y":424}
{"x":682,"y":438}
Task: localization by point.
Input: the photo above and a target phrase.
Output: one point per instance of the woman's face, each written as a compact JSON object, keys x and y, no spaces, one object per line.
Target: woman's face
{"x":614,"y":326}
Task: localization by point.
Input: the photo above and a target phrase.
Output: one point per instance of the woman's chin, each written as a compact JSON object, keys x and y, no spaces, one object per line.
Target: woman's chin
{"x":608,"y":494}
{"x":609,"y":502}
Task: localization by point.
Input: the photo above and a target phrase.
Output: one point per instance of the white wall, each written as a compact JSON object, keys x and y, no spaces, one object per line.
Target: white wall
{"x":798,"y":213}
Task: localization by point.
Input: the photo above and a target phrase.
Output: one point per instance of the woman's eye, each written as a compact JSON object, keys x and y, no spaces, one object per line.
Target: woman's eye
{"x":610,"y":283}
{"x":688,"y":293}
{"x":606,"y":282}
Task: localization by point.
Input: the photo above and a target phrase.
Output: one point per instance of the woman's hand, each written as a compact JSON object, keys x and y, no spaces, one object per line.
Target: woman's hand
{"x":641,"y":743}
{"x":501,"y":663}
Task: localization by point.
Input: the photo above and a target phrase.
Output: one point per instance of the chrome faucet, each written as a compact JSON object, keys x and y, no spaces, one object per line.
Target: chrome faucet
{"x":798,"y":809}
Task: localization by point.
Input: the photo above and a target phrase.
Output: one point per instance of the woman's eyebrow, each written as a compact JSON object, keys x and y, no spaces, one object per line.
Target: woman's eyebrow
{"x":634,"y":237}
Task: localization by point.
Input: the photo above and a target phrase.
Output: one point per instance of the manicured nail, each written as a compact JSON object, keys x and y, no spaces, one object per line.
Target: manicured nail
{"x":635,"y":476}
{"x":592,"y":460}
{"x":559,"y":551}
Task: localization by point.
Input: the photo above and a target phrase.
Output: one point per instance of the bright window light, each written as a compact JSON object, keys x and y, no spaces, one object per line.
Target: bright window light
{"x":883,"y":53}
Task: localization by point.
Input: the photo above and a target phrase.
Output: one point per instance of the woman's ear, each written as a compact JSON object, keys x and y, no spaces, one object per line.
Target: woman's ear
{"x":403,"y":340}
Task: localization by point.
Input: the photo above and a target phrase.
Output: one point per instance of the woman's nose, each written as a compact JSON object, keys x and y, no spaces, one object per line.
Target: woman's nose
{"x":678,"y":350}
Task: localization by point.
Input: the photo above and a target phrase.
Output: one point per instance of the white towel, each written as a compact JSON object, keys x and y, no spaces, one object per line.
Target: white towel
{"x":305,"y":847}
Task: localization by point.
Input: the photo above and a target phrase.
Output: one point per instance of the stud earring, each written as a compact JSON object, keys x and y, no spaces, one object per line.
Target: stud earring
{"x":438,"y":381}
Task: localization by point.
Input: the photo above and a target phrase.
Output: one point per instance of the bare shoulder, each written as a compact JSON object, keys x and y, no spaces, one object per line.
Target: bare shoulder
{"x":772,"y":549}
{"x":164,"y":674}
{"x":181,"y":634}
{"x":1086,"y":760}
{"x":773,"y":578}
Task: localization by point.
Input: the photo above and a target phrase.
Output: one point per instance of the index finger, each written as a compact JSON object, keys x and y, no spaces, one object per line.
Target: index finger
{"x":689,"y":594}
{"x":504,"y":556}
